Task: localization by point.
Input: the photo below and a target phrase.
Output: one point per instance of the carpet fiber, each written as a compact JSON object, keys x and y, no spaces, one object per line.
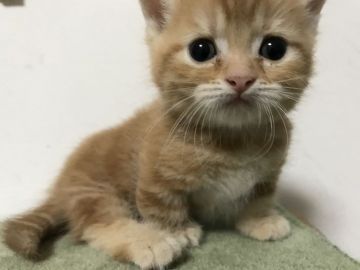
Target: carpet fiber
{"x":305,"y":249}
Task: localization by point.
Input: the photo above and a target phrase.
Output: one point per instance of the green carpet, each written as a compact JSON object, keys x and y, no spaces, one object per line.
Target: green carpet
{"x":305,"y":249}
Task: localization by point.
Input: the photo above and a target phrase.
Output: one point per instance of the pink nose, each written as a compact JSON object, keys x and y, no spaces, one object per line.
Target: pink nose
{"x":240,"y":84}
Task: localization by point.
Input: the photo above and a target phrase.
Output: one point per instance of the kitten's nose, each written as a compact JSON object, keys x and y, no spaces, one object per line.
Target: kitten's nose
{"x":240,"y":83}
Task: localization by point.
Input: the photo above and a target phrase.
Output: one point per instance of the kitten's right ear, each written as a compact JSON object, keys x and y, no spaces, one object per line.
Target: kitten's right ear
{"x":156,"y":13}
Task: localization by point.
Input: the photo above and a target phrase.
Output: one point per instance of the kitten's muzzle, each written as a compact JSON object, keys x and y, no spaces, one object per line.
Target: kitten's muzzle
{"x":240,"y":83}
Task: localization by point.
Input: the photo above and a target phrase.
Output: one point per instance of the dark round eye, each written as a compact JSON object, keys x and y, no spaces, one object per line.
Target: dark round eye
{"x":273,"y":48}
{"x":202,"y":50}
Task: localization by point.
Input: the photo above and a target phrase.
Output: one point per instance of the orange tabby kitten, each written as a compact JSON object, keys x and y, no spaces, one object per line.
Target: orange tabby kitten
{"x":207,"y":153}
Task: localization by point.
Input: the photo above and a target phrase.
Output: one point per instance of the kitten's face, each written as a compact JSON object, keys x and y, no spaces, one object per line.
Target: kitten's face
{"x":233,"y":62}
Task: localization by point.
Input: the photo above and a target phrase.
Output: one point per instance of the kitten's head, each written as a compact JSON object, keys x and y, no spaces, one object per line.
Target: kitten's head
{"x":231,"y":61}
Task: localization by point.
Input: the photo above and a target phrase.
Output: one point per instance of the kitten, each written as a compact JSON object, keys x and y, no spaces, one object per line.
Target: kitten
{"x":207,"y":153}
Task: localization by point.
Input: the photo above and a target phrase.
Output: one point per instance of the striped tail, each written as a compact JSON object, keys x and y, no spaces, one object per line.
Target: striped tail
{"x":24,"y":233}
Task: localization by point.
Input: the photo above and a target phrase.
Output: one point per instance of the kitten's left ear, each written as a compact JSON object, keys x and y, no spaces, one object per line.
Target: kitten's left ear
{"x":314,"y":6}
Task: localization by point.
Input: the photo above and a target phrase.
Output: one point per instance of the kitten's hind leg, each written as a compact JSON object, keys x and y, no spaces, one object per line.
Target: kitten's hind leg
{"x":105,"y":222}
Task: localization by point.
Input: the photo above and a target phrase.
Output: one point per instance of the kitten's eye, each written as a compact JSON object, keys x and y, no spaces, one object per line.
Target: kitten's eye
{"x":202,"y":50}
{"x":273,"y":48}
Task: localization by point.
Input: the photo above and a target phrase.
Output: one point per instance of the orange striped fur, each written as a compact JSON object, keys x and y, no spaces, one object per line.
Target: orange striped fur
{"x":142,"y":191}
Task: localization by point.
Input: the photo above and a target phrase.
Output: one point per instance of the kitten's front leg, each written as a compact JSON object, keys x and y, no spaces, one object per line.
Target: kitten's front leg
{"x":168,"y":209}
{"x":259,"y":219}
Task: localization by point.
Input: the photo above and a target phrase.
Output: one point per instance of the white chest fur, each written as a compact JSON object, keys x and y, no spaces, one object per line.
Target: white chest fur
{"x":223,"y":194}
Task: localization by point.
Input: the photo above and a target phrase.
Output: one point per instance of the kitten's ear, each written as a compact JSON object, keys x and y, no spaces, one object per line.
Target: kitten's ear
{"x":314,"y":6}
{"x":156,"y":12}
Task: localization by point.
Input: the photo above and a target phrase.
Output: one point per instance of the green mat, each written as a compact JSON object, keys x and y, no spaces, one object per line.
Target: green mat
{"x":305,"y":249}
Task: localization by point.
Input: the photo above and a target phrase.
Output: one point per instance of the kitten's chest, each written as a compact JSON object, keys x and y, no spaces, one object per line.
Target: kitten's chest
{"x":222,"y":193}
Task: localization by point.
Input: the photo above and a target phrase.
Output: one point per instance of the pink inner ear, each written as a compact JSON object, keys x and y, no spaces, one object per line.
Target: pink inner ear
{"x":153,"y":9}
{"x":316,"y":6}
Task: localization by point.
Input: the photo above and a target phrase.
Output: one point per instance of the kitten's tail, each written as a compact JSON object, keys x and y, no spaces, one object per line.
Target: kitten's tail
{"x":23,"y":234}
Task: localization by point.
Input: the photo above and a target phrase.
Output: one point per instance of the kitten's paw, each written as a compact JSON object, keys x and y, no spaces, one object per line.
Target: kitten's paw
{"x":156,"y":251}
{"x":144,"y":244}
{"x":191,"y":235}
{"x":272,"y":227}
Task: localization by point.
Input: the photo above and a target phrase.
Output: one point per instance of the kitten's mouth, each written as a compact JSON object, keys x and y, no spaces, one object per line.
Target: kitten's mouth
{"x":236,"y":100}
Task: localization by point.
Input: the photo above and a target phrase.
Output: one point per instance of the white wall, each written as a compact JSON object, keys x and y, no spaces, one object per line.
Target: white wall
{"x":71,"y":67}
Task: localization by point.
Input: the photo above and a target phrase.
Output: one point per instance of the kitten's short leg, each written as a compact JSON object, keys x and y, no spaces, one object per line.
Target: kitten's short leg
{"x":169,"y":209}
{"x":144,"y":244}
{"x":259,"y":219}
{"x":99,"y":217}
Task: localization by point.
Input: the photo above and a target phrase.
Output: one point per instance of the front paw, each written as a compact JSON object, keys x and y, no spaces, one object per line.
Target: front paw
{"x":271,"y":227}
{"x":191,"y":234}
{"x":156,"y":251}
{"x":159,"y":248}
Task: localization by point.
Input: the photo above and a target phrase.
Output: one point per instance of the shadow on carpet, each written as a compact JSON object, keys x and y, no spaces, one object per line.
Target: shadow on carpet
{"x":305,"y":249}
